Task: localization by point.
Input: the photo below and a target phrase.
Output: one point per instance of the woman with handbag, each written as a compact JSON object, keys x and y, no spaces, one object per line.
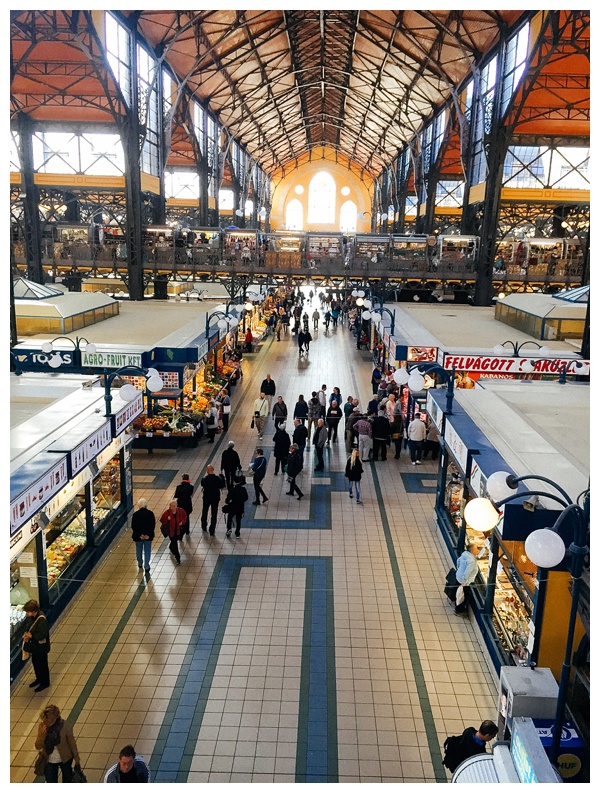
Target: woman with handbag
{"x":225,"y":401}
{"x":234,"y":502}
{"x":56,"y":745}
{"x":36,"y":642}
{"x":212,"y":421}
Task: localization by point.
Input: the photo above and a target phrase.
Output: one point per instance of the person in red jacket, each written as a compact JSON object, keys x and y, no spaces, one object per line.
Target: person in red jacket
{"x":172,"y":522}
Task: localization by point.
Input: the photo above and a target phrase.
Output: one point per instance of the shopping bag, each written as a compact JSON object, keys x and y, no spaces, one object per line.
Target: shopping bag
{"x":451,"y":584}
{"x":460,"y":595}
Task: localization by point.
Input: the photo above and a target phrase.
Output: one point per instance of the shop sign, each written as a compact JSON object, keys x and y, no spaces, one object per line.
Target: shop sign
{"x":89,"y":449}
{"x":421,"y":354}
{"x":37,"y":360}
{"x":127,"y":414}
{"x":108,"y":453}
{"x":499,"y":365}
{"x":110,"y":360}
{"x":478,"y":480}
{"x":435,"y":411}
{"x":30,"y":501}
{"x":386,"y":339}
{"x":202,"y":349}
{"x":456,"y":445}
{"x":213,"y":341}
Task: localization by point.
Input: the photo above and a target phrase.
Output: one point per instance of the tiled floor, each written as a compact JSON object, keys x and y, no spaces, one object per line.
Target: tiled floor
{"x":317,"y":647}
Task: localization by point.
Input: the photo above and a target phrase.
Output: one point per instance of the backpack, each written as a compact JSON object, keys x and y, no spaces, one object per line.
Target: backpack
{"x":453,"y":754}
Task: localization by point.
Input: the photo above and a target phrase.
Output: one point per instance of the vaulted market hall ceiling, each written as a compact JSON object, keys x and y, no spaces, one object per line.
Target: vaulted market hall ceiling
{"x":282,"y":82}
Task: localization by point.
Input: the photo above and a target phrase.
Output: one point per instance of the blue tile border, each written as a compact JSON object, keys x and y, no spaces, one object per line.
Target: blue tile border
{"x":161,"y":478}
{"x":316,"y":759}
{"x":417,"y":482}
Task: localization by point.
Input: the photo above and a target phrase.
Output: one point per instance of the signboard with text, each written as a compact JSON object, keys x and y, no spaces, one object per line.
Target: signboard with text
{"x":127,"y":414}
{"x":509,"y":366}
{"x":456,"y":445}
{"x":32,"y":499}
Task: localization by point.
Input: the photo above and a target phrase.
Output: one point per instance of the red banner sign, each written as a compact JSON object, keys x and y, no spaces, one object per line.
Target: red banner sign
{"x":497,"y":365}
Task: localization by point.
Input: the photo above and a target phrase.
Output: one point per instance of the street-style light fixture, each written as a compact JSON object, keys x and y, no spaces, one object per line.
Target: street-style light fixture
{"x":55,"y":361}
{"x":546,"y":549}
{"x":516,"y":348}
{"x":128,"y":391}
{"x":225,"y":322}
{"x":414,"y":378}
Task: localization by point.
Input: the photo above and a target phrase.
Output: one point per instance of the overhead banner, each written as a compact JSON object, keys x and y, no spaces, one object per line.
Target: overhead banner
{"x":498,"y":365}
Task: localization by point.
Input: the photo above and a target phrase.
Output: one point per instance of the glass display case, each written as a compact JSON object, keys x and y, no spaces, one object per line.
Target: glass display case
{"x":454,"y":497}
{"x":106,"y":494}
{"x":65,"y":538}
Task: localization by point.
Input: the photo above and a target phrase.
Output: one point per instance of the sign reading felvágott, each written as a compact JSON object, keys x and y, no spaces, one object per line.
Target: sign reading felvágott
{"x":493,"y":364}
{"x":110,"y":360}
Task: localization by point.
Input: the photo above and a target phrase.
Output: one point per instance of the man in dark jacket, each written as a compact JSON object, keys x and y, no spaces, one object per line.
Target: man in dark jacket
{"x":230,"y":463}
{"x":382,"y":435}
{"x":282,"y":443}
{"x":237,"y":497}
{"x":280,"y":412}
{"x":143,"y":522}
{"x":294,"y":466}
{"x":299,"y":437}
{"x":470,"y":743}
{"x":183,"y":494}
{"x":211,"y":495}
{"x":319,"y":441}
{"x":267,"y":387}
{"x":259,"y":466}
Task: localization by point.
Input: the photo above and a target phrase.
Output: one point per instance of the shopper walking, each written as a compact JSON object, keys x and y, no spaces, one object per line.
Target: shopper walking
{"x":299,"y":437}
{"x":267,"y":387}
{"x":294,"y":466}
{"x":183,"y":494}
{"x":301,"y":409}
{"x":348,"y":407}
{"x":211,"y":486}
{"x":36,"y":642}
{"x":466,"y":573}
{"x":319,"y":441}
{"x":278,"y":329}
{"x":322,"y":396}
{"x":398,"y":430}
{"x":334,"y":416}
{"x":172,"y":522}
{"x":351,"y":435}
{"x":230,"y":464}
{"x":259,"y":467}
{"x":261,"y":413}
{"x":280,"y":412}
{"x":364,"y":431}
{"x":225,"y":401}
{"x":416,"y":436}
{"x":236,"y":499}
{"x":281,"y":448}
{"x":131,"y":767}
{"x":315,"y":319}
{"x":248,"y":340}
{"x":353,"y":473}
{"x":143,"y":523}
{"x":314,"y":412}
{"x":382,"y":435}
{"x":376,"y":379}
{"x":56,"y":743}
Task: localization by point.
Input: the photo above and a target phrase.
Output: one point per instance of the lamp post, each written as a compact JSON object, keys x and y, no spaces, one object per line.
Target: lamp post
{"x":415,"y":380}
{"x":55,"y":361}
{"x":128,"y":392}
{"x":226,"y":320}
{"x":546,"y":549}
{"x":516,"y":348}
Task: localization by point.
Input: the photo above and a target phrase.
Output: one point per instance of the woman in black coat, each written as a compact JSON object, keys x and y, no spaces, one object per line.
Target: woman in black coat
{"x":301,"y":409}
{"x":236,"y":498}
{"x":354,"y":472}
{"x":294,"y":466}
{"x":282,"y":446}
{"x":183,"y":494}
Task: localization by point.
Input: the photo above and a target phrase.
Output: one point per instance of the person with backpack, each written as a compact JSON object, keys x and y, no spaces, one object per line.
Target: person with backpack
{"x":459,"y":747}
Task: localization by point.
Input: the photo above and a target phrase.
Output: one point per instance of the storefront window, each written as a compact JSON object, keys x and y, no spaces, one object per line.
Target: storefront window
{"x":65,"y":538}
{"x":106,"y":494}
{"x":453,"y":497}
{"x":23,"y":587}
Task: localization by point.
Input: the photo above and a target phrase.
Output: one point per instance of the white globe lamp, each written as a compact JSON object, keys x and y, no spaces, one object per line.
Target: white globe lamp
{"x":545,"y":548}
{"x":498,"y":488}
{"x":154,"y":384}
{"x":401,"y":376}
{"x":416,"y":381}
{"x":128,"y":392}
{"x":366,"y":315}
{"x":481,"y":514}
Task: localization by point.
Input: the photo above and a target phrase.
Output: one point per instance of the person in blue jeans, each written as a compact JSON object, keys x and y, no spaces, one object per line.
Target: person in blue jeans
{"x":353,"y":473}
{"x":143,"y":523}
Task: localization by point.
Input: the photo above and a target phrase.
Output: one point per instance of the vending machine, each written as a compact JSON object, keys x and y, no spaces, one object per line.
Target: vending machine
{"x":525,"y":691}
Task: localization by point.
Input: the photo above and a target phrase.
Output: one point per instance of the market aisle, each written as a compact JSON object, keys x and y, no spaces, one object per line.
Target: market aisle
{"x":317,"y":647}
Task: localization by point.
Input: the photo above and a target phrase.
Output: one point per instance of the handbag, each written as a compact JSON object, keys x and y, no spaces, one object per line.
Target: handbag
{"x":40,"y":764}
{"x":164,"y":529}
{"x":451,"y":584}
{"x":226,"y":508}
{"x":78,"y":775}
{"x":226,"y":409}
{"x":222,"y":481}
{"x":460,"y":595}
{"x":252,"y":424}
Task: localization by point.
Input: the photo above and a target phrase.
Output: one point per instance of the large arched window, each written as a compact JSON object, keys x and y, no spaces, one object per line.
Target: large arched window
{"x":294,"y":215}
{"x":348,"y":216}
{"x":321,"y":198}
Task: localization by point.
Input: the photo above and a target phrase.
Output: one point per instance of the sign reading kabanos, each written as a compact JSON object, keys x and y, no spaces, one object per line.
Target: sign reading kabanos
{"x":490,"y":363}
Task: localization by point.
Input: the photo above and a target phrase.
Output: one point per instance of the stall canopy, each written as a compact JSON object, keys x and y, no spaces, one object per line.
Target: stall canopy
{"x":28,"y":290}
